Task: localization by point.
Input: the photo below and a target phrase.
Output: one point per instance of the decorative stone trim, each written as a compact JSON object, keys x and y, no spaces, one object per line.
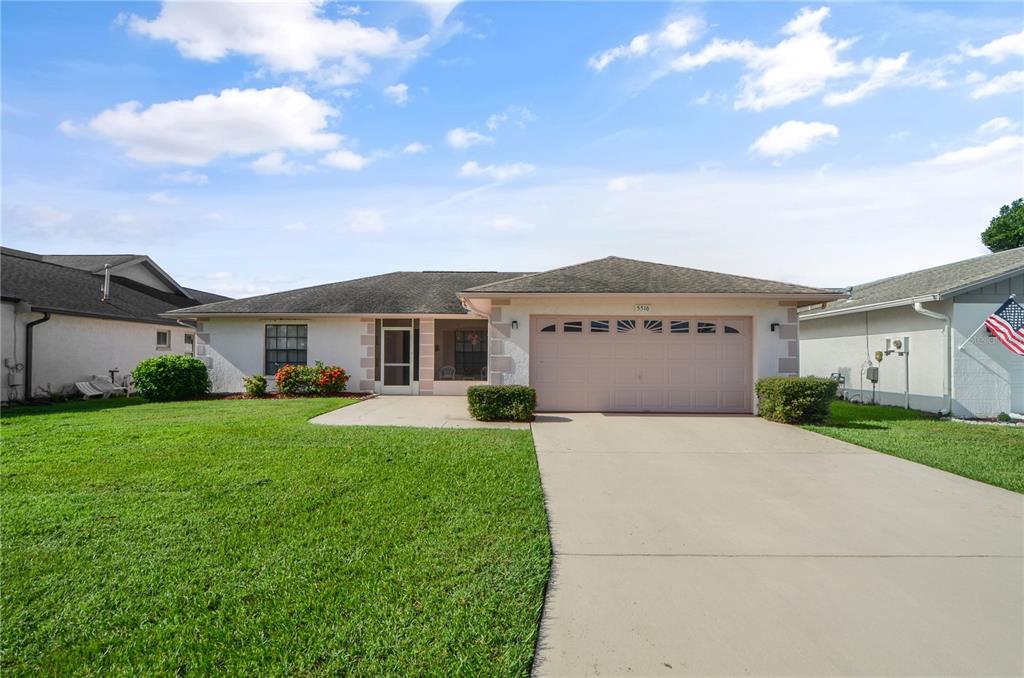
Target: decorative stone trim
{"x":426,"y":374}
{"x":368,"y":360}
{"x":794,"y":349}
{"x":789,"y":365}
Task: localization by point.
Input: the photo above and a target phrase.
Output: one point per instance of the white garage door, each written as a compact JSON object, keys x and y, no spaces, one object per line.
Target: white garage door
{"x":641,"y":364}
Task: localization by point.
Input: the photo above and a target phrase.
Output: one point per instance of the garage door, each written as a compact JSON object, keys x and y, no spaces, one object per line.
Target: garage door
{"x":641,"y":364}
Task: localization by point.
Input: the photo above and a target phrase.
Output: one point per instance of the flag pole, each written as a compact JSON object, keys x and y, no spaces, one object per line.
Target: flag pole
{"x":968,"y":339}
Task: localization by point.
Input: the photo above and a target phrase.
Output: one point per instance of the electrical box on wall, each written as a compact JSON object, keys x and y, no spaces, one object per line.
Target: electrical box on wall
{"x":872,"y":374}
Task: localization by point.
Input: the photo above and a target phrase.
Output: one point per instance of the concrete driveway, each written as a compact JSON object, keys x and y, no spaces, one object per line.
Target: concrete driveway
{"x":730,"y":545}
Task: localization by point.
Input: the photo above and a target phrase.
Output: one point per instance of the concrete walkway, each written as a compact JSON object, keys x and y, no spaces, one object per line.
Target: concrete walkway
{"x":692,"y":545}
{"x":432,"y":412}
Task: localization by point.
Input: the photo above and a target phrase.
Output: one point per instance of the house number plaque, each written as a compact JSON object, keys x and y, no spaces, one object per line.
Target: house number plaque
{"x":641,"y":308}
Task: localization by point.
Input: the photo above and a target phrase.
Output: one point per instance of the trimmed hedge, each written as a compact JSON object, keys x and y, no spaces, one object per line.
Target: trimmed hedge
{"x":795,"y":400}
{"x":171,"y":377}
{"x":256,"y":385}
{"x":304,"y":380}
{"x":502,"y":403}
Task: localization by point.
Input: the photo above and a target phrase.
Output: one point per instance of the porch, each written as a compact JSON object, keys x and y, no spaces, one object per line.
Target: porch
{"x":423,"y":356}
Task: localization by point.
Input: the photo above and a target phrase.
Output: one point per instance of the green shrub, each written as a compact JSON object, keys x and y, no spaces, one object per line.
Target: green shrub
{"x":793,"y":400}
{"x":1003,"y":416}
{"x":171,"y":377}
{"x":502,"y":403}
{"x":296,"y":379}
{"x":256,"y":385}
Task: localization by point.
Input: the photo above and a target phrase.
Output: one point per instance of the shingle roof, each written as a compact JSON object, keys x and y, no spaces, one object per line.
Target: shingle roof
{"x":930,"y":283}
{"x":400,"y":292}
{"x":615,"y":275}
{"x":48,"y":286}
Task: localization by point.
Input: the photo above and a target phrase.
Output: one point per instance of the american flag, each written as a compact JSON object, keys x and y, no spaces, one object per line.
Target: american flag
{"x":1007,"y":325}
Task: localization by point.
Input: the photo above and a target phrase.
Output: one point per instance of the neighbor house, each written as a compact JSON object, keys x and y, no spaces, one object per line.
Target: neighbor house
{"x":68,"y":318}
{"x":607,"y":335}
{"x":931,"y":313}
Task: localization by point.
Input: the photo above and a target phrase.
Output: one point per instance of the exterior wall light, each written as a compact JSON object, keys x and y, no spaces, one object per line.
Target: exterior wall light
{"x":515,"y":324}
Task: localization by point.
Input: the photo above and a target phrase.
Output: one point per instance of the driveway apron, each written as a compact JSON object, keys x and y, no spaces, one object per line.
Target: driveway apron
{"x":717,"y":545}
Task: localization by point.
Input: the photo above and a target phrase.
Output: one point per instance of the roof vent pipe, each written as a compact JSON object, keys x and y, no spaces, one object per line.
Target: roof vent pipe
{"x":106,"y":283}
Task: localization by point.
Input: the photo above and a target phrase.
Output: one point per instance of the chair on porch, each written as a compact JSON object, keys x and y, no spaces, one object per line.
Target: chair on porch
{"x":447,"y":373}
{"x":483,"y":373}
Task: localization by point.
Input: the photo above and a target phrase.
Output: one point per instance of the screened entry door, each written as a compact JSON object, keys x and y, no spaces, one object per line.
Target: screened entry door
{"x":396,"y":360}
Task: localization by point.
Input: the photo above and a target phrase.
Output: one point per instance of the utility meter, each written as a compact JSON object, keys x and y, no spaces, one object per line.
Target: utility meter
{"x":872,"y":374}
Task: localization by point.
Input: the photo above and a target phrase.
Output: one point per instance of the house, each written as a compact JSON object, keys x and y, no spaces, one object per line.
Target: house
{"x":607,"y":335}
{"x":937,"y":310}
{"x":66,"y":318}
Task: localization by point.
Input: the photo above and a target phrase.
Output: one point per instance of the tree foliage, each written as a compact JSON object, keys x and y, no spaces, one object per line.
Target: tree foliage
{"x":1006,"y":230}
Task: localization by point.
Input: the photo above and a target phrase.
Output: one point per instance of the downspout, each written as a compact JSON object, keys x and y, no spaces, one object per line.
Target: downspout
{"x":28,"y":352}
{"x":948,"y":329}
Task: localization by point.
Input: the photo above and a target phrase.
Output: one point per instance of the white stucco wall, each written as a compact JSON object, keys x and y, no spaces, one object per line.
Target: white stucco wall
{"x":12,"y":350}
{"x":768,"y":346}
{"x":987,"y":378}
{"x":845,"y":343}
{"x":234,"y":347}
{"x":67,"y":348}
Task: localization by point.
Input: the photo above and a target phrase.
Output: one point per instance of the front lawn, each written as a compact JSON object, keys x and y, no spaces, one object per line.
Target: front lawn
{"x":231,"y":537}
{"x":991,"y":454}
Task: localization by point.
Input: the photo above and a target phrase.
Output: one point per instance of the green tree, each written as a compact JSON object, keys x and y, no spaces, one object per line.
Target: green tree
{"x":1006,"y":230}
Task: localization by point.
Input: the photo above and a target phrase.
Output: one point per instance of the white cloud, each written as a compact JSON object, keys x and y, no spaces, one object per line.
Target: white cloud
{"x":439,"y":10}
{"x":624,"y":183}
{"x":284,"y":36}
{"x":42,"y":217}
{"x":234,"y":123}
{"x":495,"y":172}
{"x":346,"y":160}
{"x":69,"y":128}
{"x":416,"y":147}
{"x":674,"y":35}
{"x":801,"y":65}
{"x":162,"y":198}
{"x":186,"y":177}
{"x":519,"y":116}
{"x":1005,"y":146}
{"x":997,"y":125}
{"x":882,"y":73}
{"x":792,"y":137}
{"x":703,"y":99}
{"x":460,"y":137}
{"x":275,"y":162}
{"x":1001,"y":84}
{"x":510,"y":223}
{"x":294,"y":227}
{"x":364,"y":221}
{"x":998,"y":49}
{"x":398,"y":93}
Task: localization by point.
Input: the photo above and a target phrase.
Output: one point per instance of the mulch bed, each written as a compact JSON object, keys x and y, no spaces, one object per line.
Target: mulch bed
{"x":274,"y":395}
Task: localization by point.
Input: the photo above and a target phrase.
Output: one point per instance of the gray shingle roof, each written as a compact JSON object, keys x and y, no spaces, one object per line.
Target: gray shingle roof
{"x":936,"y":282}
{"x":44,"y":285}
{"x":400,"y":292}
{"x":615,"y":275}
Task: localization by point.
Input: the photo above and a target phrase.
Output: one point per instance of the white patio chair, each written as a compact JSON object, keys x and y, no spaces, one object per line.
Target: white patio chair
{"x":447,"y":373}
{"x":87,"y":390}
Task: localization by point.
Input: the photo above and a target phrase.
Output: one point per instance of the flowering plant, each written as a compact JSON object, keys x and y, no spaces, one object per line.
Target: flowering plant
{"x":330,"y":379}
{"x":295,"y":379}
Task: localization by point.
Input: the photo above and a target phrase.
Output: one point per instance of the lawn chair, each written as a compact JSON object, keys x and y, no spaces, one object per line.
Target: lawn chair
{"x":447,"y":373}
{"x":99,"y":386}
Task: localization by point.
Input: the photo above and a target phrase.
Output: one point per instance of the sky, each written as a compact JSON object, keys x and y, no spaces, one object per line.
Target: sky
{"x":256,"y":147}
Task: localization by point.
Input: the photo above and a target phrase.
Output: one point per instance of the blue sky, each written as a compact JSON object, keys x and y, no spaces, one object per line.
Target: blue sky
{"x":275,"y":146}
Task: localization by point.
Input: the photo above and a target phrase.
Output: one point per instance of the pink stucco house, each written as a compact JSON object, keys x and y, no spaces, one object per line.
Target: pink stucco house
{"x":612,"y":334}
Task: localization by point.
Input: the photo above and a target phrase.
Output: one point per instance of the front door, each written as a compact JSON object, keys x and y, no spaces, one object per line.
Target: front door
{"x":396,"y":360}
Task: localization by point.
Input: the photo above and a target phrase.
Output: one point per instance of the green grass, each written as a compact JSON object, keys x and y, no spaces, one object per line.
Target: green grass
{"x":991,"y":454}
{"x":233,"y":538}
